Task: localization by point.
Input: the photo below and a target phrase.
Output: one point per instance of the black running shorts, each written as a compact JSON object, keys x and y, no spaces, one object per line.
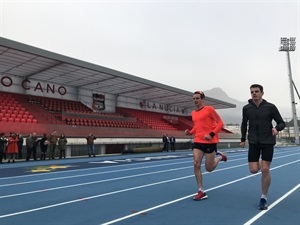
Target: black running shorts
{"x":265,"y":150}
{"x":206,"y":148}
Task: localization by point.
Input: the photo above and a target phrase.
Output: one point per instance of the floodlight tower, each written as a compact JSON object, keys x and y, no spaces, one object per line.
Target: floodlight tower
{"x":287,"y":45}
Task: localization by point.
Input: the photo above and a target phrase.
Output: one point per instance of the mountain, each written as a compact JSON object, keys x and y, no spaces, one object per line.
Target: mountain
{"x":231,"y":115}
{"x":234,"y":115}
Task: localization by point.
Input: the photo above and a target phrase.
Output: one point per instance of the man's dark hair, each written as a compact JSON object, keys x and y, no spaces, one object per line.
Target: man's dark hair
{"x":257,"y":86}
{"x":202,"y":95}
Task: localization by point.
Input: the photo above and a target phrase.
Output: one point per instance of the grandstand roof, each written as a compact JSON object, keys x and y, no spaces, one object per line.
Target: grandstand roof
{"x":26,"y":61}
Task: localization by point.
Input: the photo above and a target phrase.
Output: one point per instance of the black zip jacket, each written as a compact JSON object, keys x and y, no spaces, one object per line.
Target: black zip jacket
{"x":260,"y":118}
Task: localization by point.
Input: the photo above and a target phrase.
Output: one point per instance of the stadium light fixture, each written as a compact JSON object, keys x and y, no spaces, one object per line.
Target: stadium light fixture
{"x":287,"y":45}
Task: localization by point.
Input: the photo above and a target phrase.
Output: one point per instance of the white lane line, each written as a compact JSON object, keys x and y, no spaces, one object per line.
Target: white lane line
{"x":90,"y":174}
{"x":189,"y":196}
{"x":100,"y":181}
{"x":123,"y":165}
{"x":106,"y":194}
{"x":92,"y":197}
{"x":92,"y":182}
{"x":249,"y":222}
{"x":146,"y":163}
{"x":113,"y":179}
{"x":106,"y":172}
{"x":138,"y":187}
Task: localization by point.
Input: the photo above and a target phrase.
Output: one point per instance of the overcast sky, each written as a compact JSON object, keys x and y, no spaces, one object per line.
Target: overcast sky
{"x":191,"y":45}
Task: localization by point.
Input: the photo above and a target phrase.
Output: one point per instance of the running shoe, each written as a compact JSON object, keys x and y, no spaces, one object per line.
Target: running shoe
{"x":223,"y":157}
{"x":200,"y":196}
{"x":263,"y":204}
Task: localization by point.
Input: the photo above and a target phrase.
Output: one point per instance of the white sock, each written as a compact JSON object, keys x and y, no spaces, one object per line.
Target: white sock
{"x":201,"y":189}
{"x":264,"y":196}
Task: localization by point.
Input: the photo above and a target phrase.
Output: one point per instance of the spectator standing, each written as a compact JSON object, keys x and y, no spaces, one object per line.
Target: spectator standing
{"x":44,"y":146}
{"x":165,"y":140}
{"x":35,"y":145}
{"x":52,"y":144}
{"x":62,"y":141}
{"x":3,"y":143}
{"x":12,"y":147}
{"x":172,"y":143}
{"x":29,"y":146}
{"x":90,"y":144}
{"x":5,"y":149}
{"x":20,"y":145}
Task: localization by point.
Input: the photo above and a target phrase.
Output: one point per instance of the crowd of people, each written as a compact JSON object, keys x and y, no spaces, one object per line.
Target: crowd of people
{"x":168,"y":143}
{"x":43,"y":147}
{"x":10,"y":147}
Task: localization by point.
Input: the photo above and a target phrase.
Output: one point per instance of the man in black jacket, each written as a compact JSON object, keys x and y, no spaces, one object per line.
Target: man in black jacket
{"x":259,"y":114}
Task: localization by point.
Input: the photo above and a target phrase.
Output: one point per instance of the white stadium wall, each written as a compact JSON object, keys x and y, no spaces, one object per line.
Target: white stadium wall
{"x":138,"y":104}
{"x":18,"y":85}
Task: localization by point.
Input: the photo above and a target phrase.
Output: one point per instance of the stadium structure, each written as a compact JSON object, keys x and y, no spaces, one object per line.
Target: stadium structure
{"x":42,"y":91}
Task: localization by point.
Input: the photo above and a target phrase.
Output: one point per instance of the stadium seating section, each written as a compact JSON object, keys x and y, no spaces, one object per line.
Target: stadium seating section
{"x":12,"y":111}
{"x":26,"y":114}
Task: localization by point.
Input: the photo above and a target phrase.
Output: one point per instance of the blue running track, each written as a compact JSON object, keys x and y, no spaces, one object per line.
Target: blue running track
{"x":148,"y":189}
